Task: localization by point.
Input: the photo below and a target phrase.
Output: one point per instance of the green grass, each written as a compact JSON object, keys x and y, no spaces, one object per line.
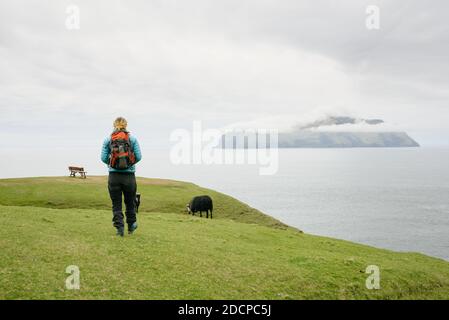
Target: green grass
{"x":158,"y":195}
{"x":51,"y":223}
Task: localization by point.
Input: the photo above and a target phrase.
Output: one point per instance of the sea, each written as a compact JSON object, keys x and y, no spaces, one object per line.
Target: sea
{"x":392,"y":198}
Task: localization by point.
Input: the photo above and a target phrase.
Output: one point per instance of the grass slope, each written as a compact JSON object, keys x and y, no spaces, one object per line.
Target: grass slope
{"x":177,"y":256}
{"x":158,"y":195}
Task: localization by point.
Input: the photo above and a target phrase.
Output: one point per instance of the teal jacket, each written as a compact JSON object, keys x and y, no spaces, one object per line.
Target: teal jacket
{"x":106,"y":151}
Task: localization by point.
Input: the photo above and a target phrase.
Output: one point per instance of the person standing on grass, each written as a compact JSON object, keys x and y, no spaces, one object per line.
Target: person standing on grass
{"x":121,"y":152}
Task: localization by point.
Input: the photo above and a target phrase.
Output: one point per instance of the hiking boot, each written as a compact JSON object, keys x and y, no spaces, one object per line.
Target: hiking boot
{"x":121,"y":231}
{"x":132,"y":228}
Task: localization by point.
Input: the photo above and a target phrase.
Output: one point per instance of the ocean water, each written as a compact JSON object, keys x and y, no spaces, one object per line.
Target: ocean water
{"x":389,"y":198}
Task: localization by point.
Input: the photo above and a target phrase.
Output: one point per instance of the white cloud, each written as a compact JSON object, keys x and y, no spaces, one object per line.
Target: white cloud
{"x":165,"y":63}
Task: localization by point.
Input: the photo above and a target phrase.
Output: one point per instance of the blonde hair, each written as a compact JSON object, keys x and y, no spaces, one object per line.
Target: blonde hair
{"x":120,"y":123}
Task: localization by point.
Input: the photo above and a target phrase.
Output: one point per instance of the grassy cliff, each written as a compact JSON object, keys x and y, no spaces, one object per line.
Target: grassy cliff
{"x":158,"y":195}
{"x":51,"y":223}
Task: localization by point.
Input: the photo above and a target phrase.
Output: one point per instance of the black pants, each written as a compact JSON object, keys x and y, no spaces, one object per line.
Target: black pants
{"x":122,"y":183}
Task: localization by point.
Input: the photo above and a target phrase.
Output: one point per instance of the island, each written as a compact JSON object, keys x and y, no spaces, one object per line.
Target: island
{"x":329,"y":132}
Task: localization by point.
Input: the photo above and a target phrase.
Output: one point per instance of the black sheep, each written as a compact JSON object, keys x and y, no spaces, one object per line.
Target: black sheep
{"x":200,"y":204}
{"x":137,"y":202}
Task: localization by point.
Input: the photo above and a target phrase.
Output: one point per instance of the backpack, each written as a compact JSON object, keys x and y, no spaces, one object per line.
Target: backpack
{"x":122,"y":156}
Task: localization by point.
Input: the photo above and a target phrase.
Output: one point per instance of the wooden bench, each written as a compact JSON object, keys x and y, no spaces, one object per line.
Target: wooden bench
{"x":75,"y":170}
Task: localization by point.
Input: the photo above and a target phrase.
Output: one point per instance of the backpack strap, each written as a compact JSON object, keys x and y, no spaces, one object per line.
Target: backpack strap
{"x":131,"y":148}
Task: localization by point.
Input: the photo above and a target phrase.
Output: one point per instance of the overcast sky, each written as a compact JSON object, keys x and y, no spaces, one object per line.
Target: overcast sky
{"x":163,"y":64}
